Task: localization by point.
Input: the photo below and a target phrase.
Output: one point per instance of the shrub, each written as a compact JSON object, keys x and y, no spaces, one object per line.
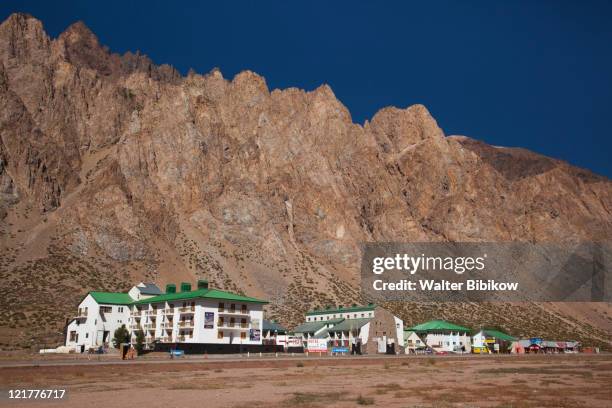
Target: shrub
{"x":140,"y":339}
{"x":361,"y":400}
{"x":121,"y":335}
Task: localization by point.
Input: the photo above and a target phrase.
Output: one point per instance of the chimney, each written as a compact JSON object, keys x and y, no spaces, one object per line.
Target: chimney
{"x":171,"y":288}
{"x":202,"y":284}
{"x":185,"y":287}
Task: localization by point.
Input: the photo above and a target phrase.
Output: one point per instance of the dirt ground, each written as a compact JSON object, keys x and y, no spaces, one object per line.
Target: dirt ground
{"x":477,"y":381}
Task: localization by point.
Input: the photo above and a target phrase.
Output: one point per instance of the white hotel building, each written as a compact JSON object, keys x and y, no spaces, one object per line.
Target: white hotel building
{"x":201,"y":316}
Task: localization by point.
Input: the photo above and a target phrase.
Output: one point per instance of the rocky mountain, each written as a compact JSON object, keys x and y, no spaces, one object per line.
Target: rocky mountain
{"x":114,"y":170}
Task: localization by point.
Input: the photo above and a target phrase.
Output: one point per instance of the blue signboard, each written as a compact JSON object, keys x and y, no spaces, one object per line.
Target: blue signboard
{"x":340,"y":350}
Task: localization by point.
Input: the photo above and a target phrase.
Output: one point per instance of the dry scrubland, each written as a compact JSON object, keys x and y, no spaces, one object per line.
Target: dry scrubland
{"x":527,"y":381}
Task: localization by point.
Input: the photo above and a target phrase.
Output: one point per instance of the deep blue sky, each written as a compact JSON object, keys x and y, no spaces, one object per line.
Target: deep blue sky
{"x":535,"y":74}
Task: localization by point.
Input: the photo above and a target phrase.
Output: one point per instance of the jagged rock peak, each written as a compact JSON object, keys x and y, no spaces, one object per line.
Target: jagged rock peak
{"x":396,"y":129}
{"x":79,"y":32}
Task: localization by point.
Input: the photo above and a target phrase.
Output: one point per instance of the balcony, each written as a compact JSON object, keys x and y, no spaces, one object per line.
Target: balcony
{"x":185,"y":324}
{"x":184,"y":338}
{"x":81,"y":315}
{"x":149,"y":326}
{"x":151,"y":313}
{"x":168,"y":325}
{"x":169,"y":311}
{"x":233,"y":326}
{"x":187,"y":310}
{"x":166,"y":339}
{"x":234,"y":312}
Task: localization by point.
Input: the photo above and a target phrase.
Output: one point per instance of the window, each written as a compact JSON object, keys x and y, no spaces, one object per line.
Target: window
{"x":220,"y":321}
{"x":73,"y":336}
{"x":243,"y":323}
{"x":243,"y":309}
{"x":220,"y":335}
{"x":86,"y":335}
{"x":221,"y":307}
{"x":363,"y":315}
{"x":233,"y":307}
{"x":243,"y":336}
{"x":120,"y":309}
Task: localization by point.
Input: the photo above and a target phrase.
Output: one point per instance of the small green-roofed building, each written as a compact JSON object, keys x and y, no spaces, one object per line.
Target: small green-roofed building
{"x":273,"y":332}
{"x":443,"y":336}
{"x":492,"y":341}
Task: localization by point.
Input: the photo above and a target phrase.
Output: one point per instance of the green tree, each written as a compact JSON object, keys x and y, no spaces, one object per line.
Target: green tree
{"x":121,"y":335}
{"x":140,"y":339}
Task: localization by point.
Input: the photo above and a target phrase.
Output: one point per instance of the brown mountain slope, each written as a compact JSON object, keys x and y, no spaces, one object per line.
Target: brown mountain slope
{"x":114,"y":170}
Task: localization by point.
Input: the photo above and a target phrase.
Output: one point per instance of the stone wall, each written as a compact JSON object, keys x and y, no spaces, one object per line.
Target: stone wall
{"x":383,"y":324}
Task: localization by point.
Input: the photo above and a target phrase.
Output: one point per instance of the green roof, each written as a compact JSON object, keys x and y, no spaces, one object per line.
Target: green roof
{"x":112,"y":298}
{"x":272,"y":326}
{"x":498,"y":335}
{"x":313,"y":327}
{"x":199,"y":294}
{"x":349,"y":324}
{"x":342,"y":310}
{"x":438,"y":325}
